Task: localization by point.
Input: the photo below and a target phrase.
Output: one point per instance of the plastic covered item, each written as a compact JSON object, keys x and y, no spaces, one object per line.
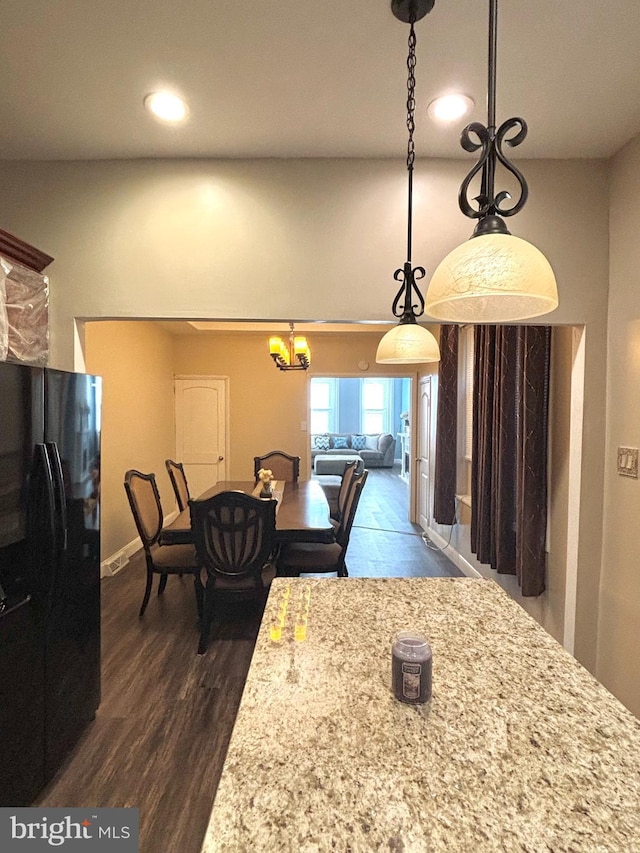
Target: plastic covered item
{"x":24,"y":314}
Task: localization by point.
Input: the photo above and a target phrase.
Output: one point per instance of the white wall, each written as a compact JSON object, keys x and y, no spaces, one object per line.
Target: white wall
{"x":308,"y":239}
{"x":618,"y":657}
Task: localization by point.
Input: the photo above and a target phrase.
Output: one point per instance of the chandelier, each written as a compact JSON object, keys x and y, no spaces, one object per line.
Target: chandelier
{"x":408,"y":342}
{"x":493,"y":277}
{"x":294,"y":355}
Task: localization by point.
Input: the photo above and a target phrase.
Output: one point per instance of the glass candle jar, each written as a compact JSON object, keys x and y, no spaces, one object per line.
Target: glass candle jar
{"x":411,"y":660}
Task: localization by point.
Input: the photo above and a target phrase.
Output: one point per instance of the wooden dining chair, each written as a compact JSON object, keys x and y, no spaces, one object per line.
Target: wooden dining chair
{"x":234,"y":535}
{"x":297,"y":558}
{"x":179,"y":483}
{"x":163,"y":560}
{"x":347,"y":480}
{"x":283,"y":466}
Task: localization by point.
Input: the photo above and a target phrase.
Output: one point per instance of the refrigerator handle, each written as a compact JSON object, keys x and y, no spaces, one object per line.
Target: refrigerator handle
{"x":42,"y":489}
{"x":60,"y":502}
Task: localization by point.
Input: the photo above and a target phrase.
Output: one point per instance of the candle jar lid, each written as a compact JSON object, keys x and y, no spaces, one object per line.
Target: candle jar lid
{"x":411,"y":645}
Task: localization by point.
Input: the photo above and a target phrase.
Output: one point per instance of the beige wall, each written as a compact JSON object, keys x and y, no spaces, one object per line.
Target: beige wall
{"x":317,"y":239}
{"x":618,"y":659}
{"x":135,"y":361}
{"x":307,"y":239}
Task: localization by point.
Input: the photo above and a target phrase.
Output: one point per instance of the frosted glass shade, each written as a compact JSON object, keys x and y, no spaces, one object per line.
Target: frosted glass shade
{"x":492,"y":278}
{"x":407,"y":343}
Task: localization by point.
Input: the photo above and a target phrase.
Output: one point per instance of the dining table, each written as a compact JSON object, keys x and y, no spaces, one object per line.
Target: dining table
{"x":519,"y":747}
{"x":302,"y":511}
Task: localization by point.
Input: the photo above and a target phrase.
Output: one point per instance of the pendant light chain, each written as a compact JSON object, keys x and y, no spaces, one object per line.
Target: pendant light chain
{"x":409,"y":342}
{"x":411,"y":126}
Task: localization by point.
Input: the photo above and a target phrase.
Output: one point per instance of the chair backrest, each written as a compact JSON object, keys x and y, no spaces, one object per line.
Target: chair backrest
{"x":350,"y":470}
{"x":284,"y":466}
{"x":353,"y":498}
{"x":234,"y":533}
{"x":144,"y":500}
{"x":179,"y":482}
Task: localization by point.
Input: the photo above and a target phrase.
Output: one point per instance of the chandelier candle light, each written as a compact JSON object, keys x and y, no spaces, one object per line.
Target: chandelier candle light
{"x":294,"y":356}
{"x":408,"y":342}
{"x":494,"y":277}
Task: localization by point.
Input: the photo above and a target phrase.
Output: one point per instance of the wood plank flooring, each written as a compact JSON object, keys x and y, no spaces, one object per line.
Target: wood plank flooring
{"x":383,"y":543}
{"x":161,"y":733}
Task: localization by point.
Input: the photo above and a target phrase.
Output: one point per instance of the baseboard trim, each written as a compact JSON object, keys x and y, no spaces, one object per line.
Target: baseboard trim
{"x":117,"y":561}
{"x":112,"y":565}
{"x":465,"y":567}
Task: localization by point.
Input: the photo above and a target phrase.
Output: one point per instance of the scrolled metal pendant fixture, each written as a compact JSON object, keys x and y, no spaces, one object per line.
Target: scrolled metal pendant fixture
{"x":408,"y":342}
{"x":496,"y":278}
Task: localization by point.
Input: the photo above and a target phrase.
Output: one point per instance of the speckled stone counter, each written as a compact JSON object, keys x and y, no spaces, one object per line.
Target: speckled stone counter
{"x":520,"y":748}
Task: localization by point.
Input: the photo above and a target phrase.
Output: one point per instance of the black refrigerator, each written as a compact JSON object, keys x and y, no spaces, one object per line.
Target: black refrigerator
{"x":49,"y":572}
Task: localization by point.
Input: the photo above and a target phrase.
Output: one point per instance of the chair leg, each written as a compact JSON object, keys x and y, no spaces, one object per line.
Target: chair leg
{"x":147,"y":592}
{"x":207,"y":618}
{"x":199,"y":591}
{"x":342,"y":571}
{"x":162,"y":584}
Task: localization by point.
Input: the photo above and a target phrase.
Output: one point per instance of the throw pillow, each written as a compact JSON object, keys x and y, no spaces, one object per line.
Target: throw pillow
{"x":358,"y":442}
{"x":371,"y":441}
{"x":340,"y":442}
{"x":322,"y":442}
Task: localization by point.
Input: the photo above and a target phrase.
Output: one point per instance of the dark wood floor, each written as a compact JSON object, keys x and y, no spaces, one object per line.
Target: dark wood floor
{"x":161,"y":733}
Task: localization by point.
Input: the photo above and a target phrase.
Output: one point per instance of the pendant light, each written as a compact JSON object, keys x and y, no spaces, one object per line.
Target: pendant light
{"x":408,"y":342}
{"x":494,"y":277}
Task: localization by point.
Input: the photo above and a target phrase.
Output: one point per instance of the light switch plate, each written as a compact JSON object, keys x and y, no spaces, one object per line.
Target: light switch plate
{"x":628,"y":462}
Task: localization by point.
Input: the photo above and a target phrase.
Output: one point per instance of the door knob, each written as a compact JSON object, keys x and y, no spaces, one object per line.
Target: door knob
{"x":220,"y":458}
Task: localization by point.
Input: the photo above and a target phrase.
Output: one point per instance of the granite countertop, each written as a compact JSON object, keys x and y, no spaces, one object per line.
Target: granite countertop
{"x":520,"y":748}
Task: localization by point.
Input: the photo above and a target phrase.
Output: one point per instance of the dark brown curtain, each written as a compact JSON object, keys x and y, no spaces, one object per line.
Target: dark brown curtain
{"x":444,"y":503}
{"x":509,"y":462}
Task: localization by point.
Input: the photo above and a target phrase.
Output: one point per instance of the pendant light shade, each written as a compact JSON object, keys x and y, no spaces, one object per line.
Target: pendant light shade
{"x":493,"y":278}
{"x":408,"y":343}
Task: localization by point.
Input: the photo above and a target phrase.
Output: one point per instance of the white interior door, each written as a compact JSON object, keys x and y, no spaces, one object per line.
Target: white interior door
{"x":425,"y":486}
{"x":201,"y":430}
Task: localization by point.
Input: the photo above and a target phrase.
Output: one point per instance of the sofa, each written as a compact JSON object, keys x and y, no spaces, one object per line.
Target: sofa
{"x":377,"y":450}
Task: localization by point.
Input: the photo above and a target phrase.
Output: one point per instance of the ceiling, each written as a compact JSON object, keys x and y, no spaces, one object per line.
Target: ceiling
{"x":309,"y":78}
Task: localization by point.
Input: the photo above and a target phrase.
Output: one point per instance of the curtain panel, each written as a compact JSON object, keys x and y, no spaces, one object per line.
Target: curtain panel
{"x":509,"y":454}
{"x":444,"y":499}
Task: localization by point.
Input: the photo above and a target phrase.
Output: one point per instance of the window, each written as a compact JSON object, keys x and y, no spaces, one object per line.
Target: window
{"x":324,"y":407}
{"x":376,"y":405}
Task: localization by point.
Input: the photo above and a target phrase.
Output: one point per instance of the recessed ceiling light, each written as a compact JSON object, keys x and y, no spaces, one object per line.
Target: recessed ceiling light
{"x":166,"y":106}
{"x":450,"y":107}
